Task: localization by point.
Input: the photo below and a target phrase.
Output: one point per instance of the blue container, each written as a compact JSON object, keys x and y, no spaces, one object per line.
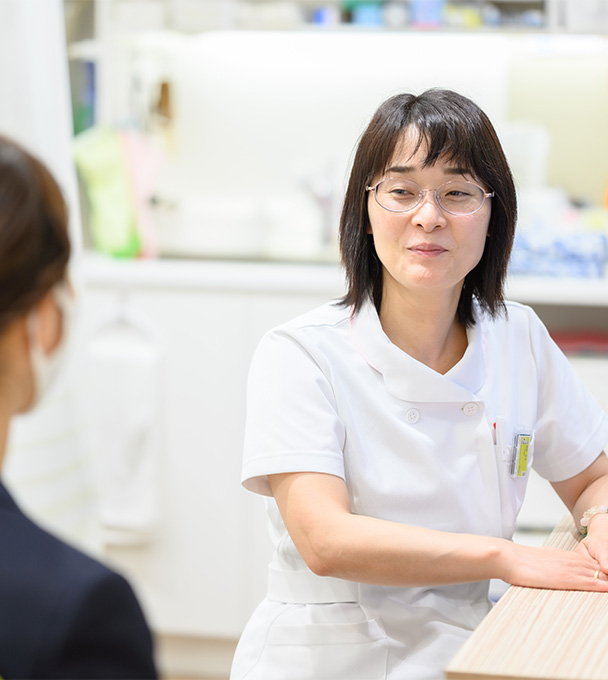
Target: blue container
{"x":367,"y":15}
{"x":427,"y":12}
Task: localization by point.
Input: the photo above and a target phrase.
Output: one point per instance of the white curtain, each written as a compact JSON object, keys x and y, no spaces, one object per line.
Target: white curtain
{"x":49,"y":466}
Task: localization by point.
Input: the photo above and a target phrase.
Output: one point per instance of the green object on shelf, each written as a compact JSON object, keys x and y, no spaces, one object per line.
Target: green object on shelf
{"x":349,"y":5}
{"x":101,"y":162}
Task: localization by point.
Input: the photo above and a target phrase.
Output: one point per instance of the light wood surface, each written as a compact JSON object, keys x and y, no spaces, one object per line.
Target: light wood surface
{"x":536,"y":634}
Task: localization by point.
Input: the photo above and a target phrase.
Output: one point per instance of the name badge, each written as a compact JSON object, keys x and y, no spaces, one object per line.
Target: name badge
{"x":513,"y":447}
{"x":519,"y":455}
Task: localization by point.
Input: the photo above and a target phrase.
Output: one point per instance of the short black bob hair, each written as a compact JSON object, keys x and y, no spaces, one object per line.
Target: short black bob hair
{"x":453,"y":128}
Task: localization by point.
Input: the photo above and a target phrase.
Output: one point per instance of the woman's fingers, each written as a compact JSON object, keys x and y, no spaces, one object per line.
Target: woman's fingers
{"x":600,"y":575}
{"x":596,"y":550}
{"x":558,"y":569}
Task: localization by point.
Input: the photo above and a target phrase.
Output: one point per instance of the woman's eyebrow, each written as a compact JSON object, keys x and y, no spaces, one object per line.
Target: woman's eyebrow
{"x":457,"y":171}
{"x":403,"y":169}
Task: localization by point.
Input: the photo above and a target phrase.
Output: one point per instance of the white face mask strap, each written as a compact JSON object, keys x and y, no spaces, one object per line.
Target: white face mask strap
{"x":45,"y":367}
{"x":37,"y":357}
{"x":64,"y":298}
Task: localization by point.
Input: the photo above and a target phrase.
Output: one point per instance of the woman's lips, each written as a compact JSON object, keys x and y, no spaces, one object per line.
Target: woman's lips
{"x":427,"y":249}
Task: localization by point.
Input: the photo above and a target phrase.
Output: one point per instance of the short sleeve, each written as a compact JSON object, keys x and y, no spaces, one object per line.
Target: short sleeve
{"x":292,"y":422}
{"x":571,"y":428}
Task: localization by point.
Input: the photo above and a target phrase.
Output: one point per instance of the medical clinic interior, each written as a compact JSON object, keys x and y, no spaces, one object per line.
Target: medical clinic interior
{"x":203,"y":147}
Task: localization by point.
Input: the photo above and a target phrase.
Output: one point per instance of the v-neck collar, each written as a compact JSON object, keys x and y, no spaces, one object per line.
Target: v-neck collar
{"x":410,"y":380}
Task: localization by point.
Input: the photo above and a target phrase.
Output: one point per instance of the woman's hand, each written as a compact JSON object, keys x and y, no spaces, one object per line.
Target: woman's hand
{"x":555,"y":569}
{"x":579,"y":493}
{"x":595,"y":545}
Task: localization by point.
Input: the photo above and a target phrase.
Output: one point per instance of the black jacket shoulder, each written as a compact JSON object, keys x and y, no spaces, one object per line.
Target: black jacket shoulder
{"x":63,"y":613}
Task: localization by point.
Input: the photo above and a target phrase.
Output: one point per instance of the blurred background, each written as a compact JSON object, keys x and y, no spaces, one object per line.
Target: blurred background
{"x":204,"y":147}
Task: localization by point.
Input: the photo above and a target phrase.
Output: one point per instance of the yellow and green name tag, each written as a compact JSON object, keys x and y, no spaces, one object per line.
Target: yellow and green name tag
{"x":519,"y":460}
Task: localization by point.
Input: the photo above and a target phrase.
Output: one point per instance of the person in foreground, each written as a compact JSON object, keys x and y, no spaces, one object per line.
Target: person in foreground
{"x":395,"y":429}
{"x":63,"y":614}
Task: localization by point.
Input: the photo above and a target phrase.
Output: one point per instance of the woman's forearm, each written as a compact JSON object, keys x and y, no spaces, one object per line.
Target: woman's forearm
{"x":335,"y":542}
{"x":585,"y":490}
{"x":371,"y":550}
{"x":594,"y":495}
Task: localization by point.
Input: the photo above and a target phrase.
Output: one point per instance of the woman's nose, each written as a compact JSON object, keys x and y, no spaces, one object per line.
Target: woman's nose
{"x":428,"y":213}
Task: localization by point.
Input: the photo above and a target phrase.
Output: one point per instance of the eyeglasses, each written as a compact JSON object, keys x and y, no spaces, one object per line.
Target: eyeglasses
{"x":457,"y":198}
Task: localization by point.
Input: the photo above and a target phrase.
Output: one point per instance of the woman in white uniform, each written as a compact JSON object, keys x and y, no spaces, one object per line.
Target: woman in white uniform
{"x":395,"y":429}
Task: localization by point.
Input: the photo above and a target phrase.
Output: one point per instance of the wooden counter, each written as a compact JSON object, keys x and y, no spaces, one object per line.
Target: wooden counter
{"x":535,"y":634}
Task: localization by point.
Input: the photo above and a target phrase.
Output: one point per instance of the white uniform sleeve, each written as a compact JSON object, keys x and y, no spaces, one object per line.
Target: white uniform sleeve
{"x":572,"y":428}
{"x":292,"y":424}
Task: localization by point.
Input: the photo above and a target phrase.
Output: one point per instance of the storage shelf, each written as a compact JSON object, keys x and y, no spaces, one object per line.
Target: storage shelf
{"x":313,"y":277}
{"x":85,"y":50}
{"x":226,"y":275}
{"x":558,"y":291}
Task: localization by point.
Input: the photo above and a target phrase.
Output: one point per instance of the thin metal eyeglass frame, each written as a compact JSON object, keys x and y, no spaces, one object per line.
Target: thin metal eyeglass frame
{"x":422,"y":192}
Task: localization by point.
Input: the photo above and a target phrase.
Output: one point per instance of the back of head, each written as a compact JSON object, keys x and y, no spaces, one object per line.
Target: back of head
{"x":450,"y":127}
{"x":34,"y":241}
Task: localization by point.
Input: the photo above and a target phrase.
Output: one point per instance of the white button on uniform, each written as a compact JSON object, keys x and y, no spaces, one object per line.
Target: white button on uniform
{"x":470,"y":409}
{"x":412,"y":416}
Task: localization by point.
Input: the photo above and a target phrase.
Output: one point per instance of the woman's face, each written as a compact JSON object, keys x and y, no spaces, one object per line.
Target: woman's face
{"x":426,"y":249}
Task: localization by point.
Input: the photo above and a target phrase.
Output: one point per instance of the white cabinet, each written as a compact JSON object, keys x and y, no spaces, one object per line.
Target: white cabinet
{"x":204,"y":569}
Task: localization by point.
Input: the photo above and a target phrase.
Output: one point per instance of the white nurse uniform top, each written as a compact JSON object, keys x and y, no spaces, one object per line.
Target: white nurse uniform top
{"x":328,"y":392}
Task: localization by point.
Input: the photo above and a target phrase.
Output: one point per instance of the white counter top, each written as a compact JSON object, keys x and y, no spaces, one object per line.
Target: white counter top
{"x":558,"y":291}
{"x":243,"y":276}
{"x":246,"y":276}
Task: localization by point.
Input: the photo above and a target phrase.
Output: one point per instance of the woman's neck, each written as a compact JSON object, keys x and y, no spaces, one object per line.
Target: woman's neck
{"x":425,"y":326}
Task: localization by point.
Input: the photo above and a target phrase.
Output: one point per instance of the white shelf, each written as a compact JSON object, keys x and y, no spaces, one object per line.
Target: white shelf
{"x":558,"y":291}
{"x":85,"y":50}
{"x":244,"y":276}
{"x":225,"y":275}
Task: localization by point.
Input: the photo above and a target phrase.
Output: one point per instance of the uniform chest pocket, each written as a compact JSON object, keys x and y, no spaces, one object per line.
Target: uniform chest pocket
{"x":514,"y":448}
{"x":515,"y":455}
{"x":354,"y":651}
